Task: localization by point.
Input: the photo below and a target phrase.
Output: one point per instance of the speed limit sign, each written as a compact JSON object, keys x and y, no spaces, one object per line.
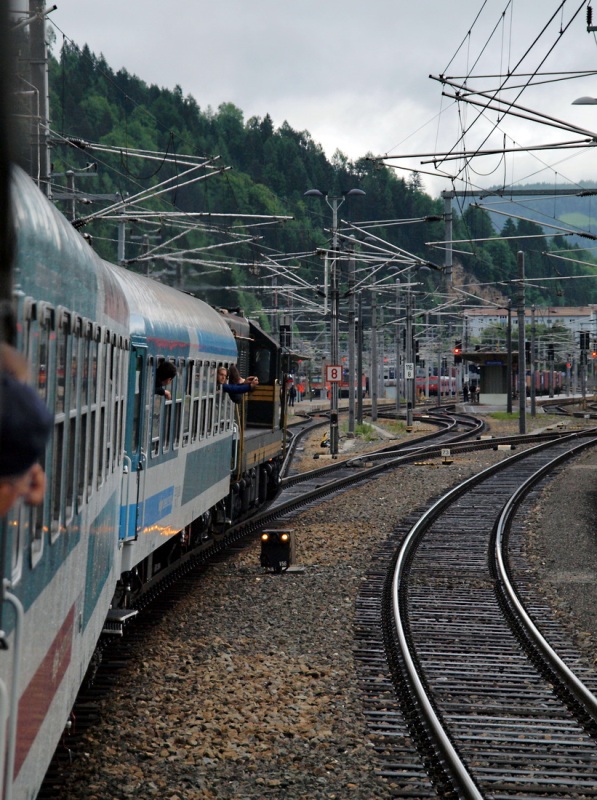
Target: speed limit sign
{"x":333,"y":373}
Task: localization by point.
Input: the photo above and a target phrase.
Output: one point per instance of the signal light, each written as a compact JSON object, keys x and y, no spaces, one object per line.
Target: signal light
{"x":277,"y":550}
{"x":457,"y":351}
{"x":594,"y":354}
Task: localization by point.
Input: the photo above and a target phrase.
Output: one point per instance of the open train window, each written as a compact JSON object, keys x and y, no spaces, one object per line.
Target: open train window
{"x":12,"y":531}
{"x":118,"y":405}
{"x":188,"y":394}
{"x":60,"y":428}
{"x":177,"y":399}
{"x":74,"y":419}
{"x":208,"y":398}
{"x":103,"y":356}
{"x":84,"y":410}
{"x":162,"y":416}
{"x":92,"y":412}
{"x":196,"y":430}
{"x":30,"y":523}
{"x":221,"y":406}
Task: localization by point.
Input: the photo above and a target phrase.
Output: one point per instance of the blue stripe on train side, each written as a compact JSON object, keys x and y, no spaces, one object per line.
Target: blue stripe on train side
{"x":158,"y":506}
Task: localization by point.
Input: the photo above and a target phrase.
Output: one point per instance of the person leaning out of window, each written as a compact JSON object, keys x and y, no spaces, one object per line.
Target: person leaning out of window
{"x":164,"y":375}
{"x":235,"y":386}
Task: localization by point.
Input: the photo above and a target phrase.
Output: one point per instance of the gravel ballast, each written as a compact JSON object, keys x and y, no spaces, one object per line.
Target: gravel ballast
{"x":248,"y":688}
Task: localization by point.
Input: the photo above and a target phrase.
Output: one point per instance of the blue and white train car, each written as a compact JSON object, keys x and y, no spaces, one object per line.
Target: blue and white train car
{"x":179,"y":450}
{"x":127,"y":469}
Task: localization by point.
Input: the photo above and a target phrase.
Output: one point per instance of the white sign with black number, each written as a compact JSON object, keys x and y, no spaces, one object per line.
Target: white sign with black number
{"x":333,"y":373}
{"x":445,"y":452}
{"x":409,"y":370}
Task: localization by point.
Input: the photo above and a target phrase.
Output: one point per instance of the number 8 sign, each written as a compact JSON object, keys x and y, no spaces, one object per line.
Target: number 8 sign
{"x":333,"y":374}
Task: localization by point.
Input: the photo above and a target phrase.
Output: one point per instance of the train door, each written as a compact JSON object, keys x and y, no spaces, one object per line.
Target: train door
{"x":133,"y":479}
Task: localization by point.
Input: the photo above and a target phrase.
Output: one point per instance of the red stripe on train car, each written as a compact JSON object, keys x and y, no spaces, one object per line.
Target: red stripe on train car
{"x":37,"y":697}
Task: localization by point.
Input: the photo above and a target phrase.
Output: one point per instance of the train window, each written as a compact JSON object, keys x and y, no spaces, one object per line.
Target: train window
{"x":263,"y":364}
{"x":93,"y":365}
{"x":61,"y":345}
{"x":117,"y":405}
{"x":111,"y":417}
{"x":37,"y":514}
{"x":103,"y":377}
{"x":84,"y":433}
{"x":56,"y":483}
{"x":198,"y":373}
{"x":74,"y":426}
{"x":137,"y":400}
{"x":61,"y":385}
{"x":186,"y":413}
{"x":41,"y":361}
{"x":219,"y":409}
{"x":91,"y":449}
{"x":70,"y":468}
{"x":36,"y":529}
{"x":106,"y":366}
{"x":92,"y":409}
{"x":207,"y":402}
{"x":39,"y":346}
{"x":167,"y":405}
{"x":156,"y":417}
{"x":15,"y":531}
{"x":84,"y":437}
{"x":178,"y":394}
{"x":101,"y":438}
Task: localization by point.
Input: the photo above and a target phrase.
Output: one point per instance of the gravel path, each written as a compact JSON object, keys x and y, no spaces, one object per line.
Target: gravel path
{"x":248,"y":689}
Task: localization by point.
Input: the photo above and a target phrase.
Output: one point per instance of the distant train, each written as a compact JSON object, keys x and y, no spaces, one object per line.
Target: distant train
{"x":136,"y":483}
{"x":446,"y":382}
{"x":542,"y":381}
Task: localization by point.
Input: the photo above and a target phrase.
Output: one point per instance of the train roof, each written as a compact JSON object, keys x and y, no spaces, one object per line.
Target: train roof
{"x":171,"y":320}
{"x":55,"y":263}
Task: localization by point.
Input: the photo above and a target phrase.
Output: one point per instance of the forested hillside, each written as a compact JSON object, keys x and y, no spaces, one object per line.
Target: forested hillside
{"x":271,"y":168}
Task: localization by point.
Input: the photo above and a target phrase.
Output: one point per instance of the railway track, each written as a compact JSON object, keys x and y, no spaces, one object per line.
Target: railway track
{"x":295,"y":496}
{"x":471,"y":665}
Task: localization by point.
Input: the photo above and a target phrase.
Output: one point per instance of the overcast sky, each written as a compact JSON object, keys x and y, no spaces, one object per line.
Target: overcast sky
{"x":355,"y":73}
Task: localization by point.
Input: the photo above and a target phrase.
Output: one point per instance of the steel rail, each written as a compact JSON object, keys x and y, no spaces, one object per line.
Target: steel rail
{"x":509,"y":593}
{"x":455,"y":766}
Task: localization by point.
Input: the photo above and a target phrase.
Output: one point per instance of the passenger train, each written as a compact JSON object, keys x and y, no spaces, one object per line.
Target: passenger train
{"x":136,"y":482}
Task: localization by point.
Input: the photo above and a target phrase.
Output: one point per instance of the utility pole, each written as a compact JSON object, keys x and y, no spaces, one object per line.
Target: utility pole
{"x":398,"y":331}
{"x":409,"y":364}
{"x":532,"y":366}
{"x":509,"y":362}
{"x":334,"y":331}
{"x":351,"y":342}
{"x":334,"y":203}
{"x":40,"y":111}
{"x":522,"y":393}
{"x":360,"y":360}
{"x":374,"y":371}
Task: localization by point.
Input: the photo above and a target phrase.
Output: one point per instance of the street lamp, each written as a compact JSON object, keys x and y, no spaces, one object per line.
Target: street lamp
{"x":334,"y":202}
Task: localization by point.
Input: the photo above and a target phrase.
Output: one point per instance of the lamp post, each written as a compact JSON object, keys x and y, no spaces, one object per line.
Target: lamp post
{"x":521,"y":347}
{"x":334,"y":202}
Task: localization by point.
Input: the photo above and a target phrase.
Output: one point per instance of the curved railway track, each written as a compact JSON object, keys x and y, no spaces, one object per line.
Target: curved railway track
{"x":498,"y":701}
{"x":297,"y":493}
